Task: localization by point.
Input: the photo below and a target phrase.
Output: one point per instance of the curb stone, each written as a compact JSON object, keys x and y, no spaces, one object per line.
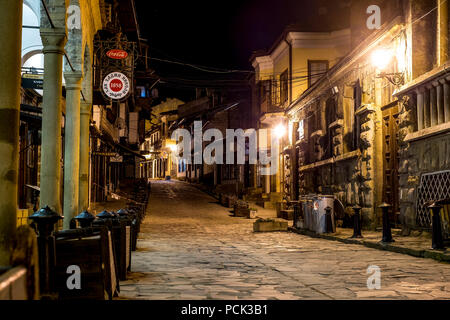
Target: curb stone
{"x":429,"y":254}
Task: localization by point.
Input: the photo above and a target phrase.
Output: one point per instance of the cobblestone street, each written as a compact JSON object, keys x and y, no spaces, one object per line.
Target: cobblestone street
{"x":191,"y":248}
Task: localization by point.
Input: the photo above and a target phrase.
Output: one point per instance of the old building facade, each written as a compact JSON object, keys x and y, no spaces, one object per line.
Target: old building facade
{"x":424,"y":117}
{"x":350,"y":120}
{"x":367,"y":123}
{"x":299,"y":58}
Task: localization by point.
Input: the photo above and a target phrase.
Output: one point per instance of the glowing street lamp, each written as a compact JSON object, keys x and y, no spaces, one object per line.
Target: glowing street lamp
{"x":380,"y":59}
{"x":279,"y":131}
{"x":173,"y":147}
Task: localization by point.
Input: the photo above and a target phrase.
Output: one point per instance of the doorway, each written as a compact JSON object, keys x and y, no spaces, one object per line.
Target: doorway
{"x":391,"y":157}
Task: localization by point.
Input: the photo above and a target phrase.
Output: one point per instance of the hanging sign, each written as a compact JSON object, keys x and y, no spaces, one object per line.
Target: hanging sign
{"x":32,"y":81}
{"x":117,"y":54}
{"x":105,"y":154}
{"x":116,"y":85}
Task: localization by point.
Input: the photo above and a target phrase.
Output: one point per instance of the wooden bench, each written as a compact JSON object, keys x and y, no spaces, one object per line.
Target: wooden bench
{"x":121,"y":233}
{"x":13,"y":283}
{"x":92,"y":250}
{"x":20,"y":281}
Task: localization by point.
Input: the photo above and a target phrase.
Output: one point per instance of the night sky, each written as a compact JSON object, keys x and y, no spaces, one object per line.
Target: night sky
{"x":216,"y":34}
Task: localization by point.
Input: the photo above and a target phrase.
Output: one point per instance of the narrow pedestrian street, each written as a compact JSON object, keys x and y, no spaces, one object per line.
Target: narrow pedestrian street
{"x":190,"y":247}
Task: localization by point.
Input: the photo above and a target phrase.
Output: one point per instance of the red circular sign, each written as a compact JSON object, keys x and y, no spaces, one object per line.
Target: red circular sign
{"x":116,"y":85}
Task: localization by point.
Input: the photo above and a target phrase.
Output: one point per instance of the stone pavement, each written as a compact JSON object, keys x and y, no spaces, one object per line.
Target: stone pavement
{"x":191,"y":248}
{"x":418,"y":244}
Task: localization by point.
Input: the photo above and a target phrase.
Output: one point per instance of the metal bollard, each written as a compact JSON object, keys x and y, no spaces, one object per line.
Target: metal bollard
{"x":85,"y":219}
{"x":357,"y":222}
{"x":296,"y":207}
{"x":437,"y":241}
{"x":72,"y":224}
{"x":328,"y":220}
{"x":387,"y":234}
{"x":45,"y":220}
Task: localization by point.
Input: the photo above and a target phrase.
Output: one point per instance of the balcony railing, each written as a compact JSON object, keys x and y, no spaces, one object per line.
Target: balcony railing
{"x":433,"y":104}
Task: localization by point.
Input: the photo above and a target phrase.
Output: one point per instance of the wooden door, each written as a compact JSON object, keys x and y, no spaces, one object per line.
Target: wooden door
{"x":391,"y":159}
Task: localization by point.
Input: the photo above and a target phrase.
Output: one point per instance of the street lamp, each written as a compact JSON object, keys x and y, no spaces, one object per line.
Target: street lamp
{"x":173,"y":147}
{"x":279,"y":131}
{"x":380,"y":59}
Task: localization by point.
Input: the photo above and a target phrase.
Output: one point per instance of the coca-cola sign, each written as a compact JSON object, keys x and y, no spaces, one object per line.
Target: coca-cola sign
{"x":117,"y":54}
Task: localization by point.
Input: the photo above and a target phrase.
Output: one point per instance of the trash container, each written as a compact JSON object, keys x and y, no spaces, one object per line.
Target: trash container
{"x":307,"y":205}
{"x":298,"y":214}
{"x":320,"y":202}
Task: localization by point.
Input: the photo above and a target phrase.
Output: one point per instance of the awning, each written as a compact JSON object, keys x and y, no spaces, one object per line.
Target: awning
{"x":106,"y":139}
{"x":125,"y":148}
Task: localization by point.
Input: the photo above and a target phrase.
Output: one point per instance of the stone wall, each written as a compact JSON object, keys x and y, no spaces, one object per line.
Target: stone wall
{"x":348,"y":173}
{"x":425,"y":155}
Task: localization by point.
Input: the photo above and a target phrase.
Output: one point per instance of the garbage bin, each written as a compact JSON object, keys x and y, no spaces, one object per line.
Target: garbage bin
{"x":307,"y":204}
{"x":298,"y":214}
{"x":319,"y":204}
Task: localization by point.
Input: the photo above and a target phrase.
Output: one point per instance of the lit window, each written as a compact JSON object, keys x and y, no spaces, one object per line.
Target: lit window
{"x":301,"y":130}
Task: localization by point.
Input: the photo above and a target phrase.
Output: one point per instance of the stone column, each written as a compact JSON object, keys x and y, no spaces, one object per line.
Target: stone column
{"x":426,"y":108}
{"x":83,"y":202}
{"x":446,"y":101}
{"x":53,"y":41}
{"x":11,"y":31}
{"x":420,"y":115}
{"x":72,"y":146}
{"x":440,"y":102}
{"x":433,"y":106}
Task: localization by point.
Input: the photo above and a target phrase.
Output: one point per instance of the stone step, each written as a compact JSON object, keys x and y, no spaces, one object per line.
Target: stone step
{"x":265,"y":204}
{"x":270,"y":225}
{"x":287,"y":214}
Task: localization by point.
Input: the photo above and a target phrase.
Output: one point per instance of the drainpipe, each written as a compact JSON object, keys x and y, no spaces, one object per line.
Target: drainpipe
{"x":290,"y":71}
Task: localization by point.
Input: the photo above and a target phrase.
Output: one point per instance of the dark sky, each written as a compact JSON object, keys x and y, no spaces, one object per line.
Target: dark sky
{"x":215,"y":33}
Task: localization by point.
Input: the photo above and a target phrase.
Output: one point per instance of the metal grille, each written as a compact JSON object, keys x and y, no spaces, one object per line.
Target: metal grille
{"x":433,"y":186}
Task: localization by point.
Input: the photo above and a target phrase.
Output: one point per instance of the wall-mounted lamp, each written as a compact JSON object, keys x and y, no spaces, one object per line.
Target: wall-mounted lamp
{"x":381,"y":58}
{"x":279,"y":131}
{"x":173,"y":147}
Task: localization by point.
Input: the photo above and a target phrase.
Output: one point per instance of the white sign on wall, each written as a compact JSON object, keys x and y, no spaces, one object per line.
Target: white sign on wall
{"x":116,"y":85}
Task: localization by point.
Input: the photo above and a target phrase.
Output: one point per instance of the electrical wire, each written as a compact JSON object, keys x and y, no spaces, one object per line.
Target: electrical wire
{"x":202,"y":68}
{"x":429,"y":12}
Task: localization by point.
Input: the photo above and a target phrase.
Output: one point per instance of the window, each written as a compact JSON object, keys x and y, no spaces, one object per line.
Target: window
{"x":312,"y":123}
{"x":357,"y":102}
{"x":330,"y":117}
{"x":301,"y":130}
{"x":284,"y":84}
{"x":141,"y":92}
{"x":265,"y":88}
{"x":357,"y":95}
{"x":316,"y":69}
